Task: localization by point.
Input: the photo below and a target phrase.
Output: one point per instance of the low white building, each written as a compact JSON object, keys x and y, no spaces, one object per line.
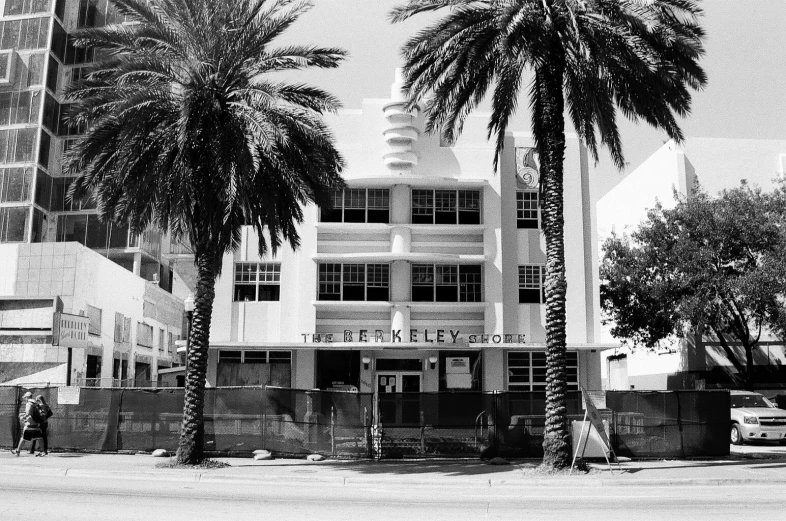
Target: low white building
{"x":716,"y":164}
{"x":427,"y":276}
{"x":52,"y":290}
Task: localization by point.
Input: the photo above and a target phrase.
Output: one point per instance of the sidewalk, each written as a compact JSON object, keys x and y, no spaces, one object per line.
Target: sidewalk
{"x":746,"y":466}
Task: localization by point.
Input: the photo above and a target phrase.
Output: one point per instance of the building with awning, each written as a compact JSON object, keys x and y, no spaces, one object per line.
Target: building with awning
{"x":427,"y":274}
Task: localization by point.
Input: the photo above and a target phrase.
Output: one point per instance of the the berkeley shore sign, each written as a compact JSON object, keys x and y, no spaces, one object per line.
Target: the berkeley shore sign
{"x":434,"y":336}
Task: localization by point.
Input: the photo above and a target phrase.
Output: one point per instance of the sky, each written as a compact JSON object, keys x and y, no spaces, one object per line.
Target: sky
{"x":745,"y":61}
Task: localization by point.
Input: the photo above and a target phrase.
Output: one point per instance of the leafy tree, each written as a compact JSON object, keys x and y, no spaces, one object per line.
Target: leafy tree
{"x":189,"y":131}
{"x":587,"y":56}
{"x":716,"y":266}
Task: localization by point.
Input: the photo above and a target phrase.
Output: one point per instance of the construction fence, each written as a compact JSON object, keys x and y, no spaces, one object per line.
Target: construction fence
{"x":239,"y":420}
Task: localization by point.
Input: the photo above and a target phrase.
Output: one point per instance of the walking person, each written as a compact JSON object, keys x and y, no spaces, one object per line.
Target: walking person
{"x":31,"y":429}
{"x":44,"y":413}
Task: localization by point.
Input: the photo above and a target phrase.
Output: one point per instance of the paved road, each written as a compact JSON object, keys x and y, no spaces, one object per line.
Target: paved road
{"x":78,"y":498}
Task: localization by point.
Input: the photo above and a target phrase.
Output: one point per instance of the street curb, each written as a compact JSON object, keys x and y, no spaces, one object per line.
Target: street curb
{"x":442,"y":481}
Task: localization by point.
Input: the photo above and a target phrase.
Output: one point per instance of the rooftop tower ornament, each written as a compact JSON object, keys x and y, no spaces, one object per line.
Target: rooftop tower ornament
{"x":401,"y":132}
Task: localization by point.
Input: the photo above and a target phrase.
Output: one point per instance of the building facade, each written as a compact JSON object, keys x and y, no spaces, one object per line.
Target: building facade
{"x":715,"y":164}
{"x":426,"y":276}
{"x":111,"y":272}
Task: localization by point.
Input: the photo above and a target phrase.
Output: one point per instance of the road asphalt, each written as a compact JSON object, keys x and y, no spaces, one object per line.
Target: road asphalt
{"x":748,"y":465}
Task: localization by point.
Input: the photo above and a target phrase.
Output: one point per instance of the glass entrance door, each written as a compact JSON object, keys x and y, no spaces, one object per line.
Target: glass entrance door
{"x":398,"y":396}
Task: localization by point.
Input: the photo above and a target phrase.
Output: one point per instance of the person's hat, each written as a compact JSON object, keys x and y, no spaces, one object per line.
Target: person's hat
{"x":27,"y":395}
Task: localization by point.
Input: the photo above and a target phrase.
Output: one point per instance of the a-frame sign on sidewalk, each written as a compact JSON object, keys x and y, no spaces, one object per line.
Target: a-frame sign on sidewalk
{"x":591,"y":413}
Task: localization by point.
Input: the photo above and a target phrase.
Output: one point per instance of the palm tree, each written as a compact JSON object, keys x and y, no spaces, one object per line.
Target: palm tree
{"x":188,"y":131}
{"x":589,"y":56}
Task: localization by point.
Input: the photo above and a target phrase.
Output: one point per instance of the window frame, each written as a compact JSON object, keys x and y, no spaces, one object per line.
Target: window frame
{"x":375,"y":206}
{"x":528,"y":218}
{"x":375,"y":277}
{"x":265,"y":275}
{"x":435,"y":205}
{"x":525,"y":365}
{"x":436,"y":276}
{"x":526,"y":284}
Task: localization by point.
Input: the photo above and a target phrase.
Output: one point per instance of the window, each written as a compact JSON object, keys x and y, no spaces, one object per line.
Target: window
{"x":256,"y":281}
{"x":18,"y":145}
{"x":144,"y":335}
{"x":527,"y":371}
{"x":445,"y":206}
{"x":161,"y":340}
{"x":94,"y":316}
{"x":91,"y":231}
{"x":16,"y":185}
{"x":446,"y":283}
{"x":354,"y":282}
{"x":17,"y":7}
{"x":122,"y":328}
{"x":527,"y":212}
{"x":254,"y":368}
{"x":531,"y":284}
{"x":28,"y":33}
{"x":359,"y":205}
{"x":13,"y":224}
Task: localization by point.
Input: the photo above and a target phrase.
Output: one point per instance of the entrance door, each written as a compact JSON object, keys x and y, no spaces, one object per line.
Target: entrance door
{"x":398,"y":397}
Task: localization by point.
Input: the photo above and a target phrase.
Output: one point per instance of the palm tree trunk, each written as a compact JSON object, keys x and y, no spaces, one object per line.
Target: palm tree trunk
{"x":556,"y":446}
{"x":190,"y":449}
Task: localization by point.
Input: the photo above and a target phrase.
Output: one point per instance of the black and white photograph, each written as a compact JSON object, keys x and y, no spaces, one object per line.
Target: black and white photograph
{"x":388,"y":259}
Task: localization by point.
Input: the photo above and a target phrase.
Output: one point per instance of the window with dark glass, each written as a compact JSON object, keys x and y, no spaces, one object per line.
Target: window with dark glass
{"x":14,"y":223}
{"x":255,"y":281}
{"x":445,"y":206}
{"x":531,"y":284}
{"x":446,"y":283}
{"x":254,"y":368}
{"x":18,"y":145}
{"x":16,"y":184}
{"x":527,"y":212}
{"x":354,"y":282}
{"x":527,"y":371}
{"x":52,"y":75}
{"x":359,"y":205}
{"x":19,"y":107}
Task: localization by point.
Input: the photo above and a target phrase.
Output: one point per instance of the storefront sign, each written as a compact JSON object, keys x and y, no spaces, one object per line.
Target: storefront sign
{"x":70,"y":330}
{"x":434,"y":336}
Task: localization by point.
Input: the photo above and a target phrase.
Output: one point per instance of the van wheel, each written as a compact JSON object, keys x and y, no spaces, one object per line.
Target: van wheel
{"x":736,"y":434}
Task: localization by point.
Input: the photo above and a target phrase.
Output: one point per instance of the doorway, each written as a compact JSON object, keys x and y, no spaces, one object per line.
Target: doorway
{"x":398,"y":397}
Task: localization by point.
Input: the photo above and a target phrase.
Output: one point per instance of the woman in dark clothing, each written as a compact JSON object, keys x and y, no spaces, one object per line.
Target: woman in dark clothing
{"x":46,"y":413}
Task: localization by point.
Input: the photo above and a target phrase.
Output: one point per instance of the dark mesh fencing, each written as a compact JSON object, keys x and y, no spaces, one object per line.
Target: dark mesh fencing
{"x":237,"y":420}
{"x":295,"y":422}
{"x":466,"y":424}
{"x":670,"y":423}
{"x":9,"y":422}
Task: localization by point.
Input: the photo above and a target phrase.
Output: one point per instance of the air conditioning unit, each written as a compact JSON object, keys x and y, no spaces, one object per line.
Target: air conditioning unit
{"x":8,"y":60}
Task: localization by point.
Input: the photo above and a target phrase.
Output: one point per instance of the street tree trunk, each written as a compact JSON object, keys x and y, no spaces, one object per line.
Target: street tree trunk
{"x":556,"y":439}
{"x":190,"y":449}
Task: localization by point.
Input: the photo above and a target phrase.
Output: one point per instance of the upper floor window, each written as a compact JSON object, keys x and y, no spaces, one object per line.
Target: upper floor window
{"x":354,"y":282}
{"x":359,"y":205}
{"x":256,"y":281}
{"x":531,"y":280}
{"x":446,"y":283}
{"x":17,"y":7}
{"x":445,"y":206}
{"x":527,"y":371}
{"x":527,"y":211}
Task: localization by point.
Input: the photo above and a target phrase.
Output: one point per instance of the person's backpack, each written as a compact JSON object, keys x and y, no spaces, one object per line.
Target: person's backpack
{"x":36,"y":414}
{"x":44,"y":411}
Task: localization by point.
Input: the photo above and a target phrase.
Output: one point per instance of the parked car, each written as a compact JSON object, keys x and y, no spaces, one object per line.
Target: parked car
{"x":754,"y":417}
